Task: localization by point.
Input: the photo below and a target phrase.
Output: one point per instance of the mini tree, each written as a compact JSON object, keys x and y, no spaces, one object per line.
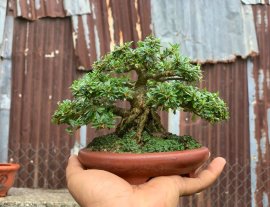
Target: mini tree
{"x":164,"y":80}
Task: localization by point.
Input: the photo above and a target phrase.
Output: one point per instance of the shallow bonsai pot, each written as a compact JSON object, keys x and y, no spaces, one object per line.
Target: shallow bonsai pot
{"x":7,"y":176}
{"x":139,"y":168}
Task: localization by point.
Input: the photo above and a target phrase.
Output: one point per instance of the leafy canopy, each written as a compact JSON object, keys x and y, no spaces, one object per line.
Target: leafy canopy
{"x":165,"y":79}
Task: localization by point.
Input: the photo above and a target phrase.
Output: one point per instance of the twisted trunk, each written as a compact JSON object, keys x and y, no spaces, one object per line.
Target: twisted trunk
{"x":141,"y":117}
{"x":141,"y":120}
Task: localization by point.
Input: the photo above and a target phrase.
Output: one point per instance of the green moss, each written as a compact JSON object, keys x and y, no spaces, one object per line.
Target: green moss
{"x":113,"y":143}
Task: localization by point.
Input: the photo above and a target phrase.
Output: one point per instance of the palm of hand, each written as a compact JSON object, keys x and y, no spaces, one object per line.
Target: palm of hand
{"x":98,"y":188}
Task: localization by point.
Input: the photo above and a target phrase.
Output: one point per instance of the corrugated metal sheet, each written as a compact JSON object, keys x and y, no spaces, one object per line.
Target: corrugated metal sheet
{"x":5,"y":85}
{"x":3,"y":6}
{"x":35,"y":9}
{"x":78,"y":7}
{"x":111,"y":22}
{"x":43,"y":69}
{"x":208,"y":31}
{"x":255,"y":1}
{"x":228,"y":139}
{"x":245,"y":137}
{"x":6,"y":42}
{"x":259,"y":100}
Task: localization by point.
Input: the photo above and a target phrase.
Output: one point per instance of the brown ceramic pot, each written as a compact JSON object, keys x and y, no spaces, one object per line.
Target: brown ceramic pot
{"x":138,"y":168}
{"x":7,"y":175}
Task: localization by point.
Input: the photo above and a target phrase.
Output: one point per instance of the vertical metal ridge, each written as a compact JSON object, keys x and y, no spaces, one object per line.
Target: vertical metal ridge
{"x":6,"y":40}
{"x":259,"y":88}
{"x":42,"y":73}
{"x":227,"y":139}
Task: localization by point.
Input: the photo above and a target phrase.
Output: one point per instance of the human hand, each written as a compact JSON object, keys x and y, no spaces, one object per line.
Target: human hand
{"x":98,"y":188}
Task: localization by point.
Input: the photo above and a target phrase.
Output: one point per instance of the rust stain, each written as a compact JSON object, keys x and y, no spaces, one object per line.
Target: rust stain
{"x":260,"y":171}
{"x":36,"y":9}
{"x":121,"y":40}
{"x":110,"y":22}
{"x":138,"y":22}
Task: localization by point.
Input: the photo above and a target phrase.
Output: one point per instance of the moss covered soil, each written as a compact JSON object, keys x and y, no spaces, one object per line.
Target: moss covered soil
{"x":149,"y":143}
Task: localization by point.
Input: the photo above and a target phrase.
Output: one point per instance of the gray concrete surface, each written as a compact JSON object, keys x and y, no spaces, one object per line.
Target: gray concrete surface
{"x":25,"y":197}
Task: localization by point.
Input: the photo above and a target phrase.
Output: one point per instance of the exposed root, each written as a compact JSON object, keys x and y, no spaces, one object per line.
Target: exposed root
{"x":141,"y":120}
{"x":127,"y":122}
{"x":141,"y":125}
{"x":157,"y":122}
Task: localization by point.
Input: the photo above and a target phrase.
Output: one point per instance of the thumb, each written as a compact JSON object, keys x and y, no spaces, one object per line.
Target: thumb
{"x":204,"y":179}
{"x":74,"y":166}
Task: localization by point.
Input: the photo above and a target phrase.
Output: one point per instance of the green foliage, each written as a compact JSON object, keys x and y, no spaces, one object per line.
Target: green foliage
{"x":98,"y":87}
{"x":94,"y":98}
{"x":150,"y":58}
{"x":174,"y":95}
{"x":113,"y":143}
{"x":165,"y":81}
{"x":79,"y":112}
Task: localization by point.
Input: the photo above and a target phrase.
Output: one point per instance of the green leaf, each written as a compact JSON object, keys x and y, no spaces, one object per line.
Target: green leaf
{"x":165,"y":79}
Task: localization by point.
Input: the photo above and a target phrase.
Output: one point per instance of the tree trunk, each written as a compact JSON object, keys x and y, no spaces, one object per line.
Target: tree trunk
{"x":141,"y":120}
{"x":141,"y":117}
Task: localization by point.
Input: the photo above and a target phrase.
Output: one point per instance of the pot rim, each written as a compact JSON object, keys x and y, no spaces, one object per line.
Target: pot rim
{"x":145,"y":165}
{"x":9,"y":166}
{"x":124,"y":154}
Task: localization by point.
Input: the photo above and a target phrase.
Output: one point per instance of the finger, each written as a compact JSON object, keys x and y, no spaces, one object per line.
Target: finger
{"x":204,"y":179}
{"x":74,"y":166}
{"x":199,"y":169}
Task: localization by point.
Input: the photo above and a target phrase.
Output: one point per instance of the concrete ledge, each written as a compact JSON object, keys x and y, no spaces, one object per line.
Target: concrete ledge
{"x":26,"y":197}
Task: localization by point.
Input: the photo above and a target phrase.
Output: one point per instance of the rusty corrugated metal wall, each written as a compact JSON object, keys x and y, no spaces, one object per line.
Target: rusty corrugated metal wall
{"x":208,"y":31}
{"x":49,"y":52}
{"x":43,"y":69}
{"x":228,"y":139}
{"x":259,"y":110}
{"x":110,"y":22}
{"x":245,"y":138}
{"x":6,"y":28}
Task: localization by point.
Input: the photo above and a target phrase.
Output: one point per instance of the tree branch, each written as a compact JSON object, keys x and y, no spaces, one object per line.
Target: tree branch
{"x":120,"y":111}
{"x":161,"y":75}
{"x":127,"y":121}
{"x":170,"y":78}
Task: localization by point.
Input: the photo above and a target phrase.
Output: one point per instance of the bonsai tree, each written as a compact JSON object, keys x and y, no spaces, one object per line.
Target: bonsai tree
{"x":164,"y":80}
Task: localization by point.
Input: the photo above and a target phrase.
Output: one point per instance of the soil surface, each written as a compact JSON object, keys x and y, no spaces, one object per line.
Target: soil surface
{"x":148,"y":143}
